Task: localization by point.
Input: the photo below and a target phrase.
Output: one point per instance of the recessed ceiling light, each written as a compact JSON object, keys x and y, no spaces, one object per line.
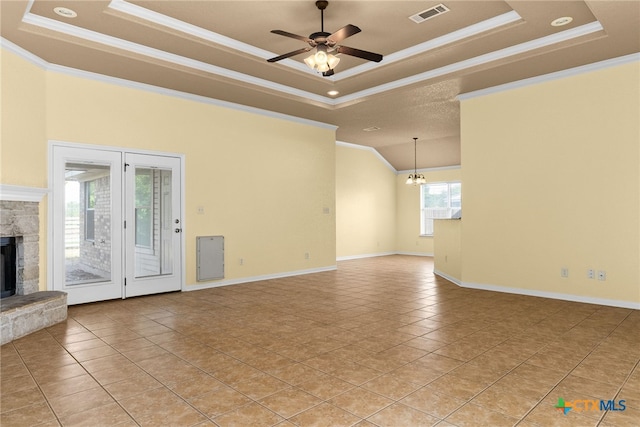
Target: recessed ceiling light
{"x":333,"y":93}
{"x":559,"y":22}
{"x":65,"y":12}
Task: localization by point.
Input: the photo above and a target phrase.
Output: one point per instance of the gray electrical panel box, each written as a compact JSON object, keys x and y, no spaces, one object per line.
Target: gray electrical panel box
{"x":210,"y":253}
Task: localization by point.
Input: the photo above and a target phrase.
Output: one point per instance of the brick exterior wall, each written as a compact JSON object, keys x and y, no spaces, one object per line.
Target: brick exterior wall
{"x":97,"y":253}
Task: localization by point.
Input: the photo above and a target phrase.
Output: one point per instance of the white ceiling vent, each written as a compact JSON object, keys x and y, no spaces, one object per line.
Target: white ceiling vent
{"x":429,"y":13}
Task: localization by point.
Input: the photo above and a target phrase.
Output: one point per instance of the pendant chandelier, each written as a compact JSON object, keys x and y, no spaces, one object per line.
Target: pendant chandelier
{"x":415,"y":178}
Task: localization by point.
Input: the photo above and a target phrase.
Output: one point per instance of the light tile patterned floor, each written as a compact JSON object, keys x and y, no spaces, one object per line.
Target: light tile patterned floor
{"x":379,"y":342}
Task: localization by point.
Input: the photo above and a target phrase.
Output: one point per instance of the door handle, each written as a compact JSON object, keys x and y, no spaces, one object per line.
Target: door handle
{"x":178,"y":230}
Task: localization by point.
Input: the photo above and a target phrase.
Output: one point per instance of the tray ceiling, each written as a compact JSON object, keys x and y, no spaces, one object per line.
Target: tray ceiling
{"x":218,"y":49}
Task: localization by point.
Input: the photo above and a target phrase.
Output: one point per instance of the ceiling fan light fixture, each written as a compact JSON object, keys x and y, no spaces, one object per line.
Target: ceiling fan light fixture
{"x":321,"y":61}
{"x":321,"y":56}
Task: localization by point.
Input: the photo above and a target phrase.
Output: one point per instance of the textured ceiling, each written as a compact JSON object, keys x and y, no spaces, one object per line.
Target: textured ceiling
{"x":218,"y":49}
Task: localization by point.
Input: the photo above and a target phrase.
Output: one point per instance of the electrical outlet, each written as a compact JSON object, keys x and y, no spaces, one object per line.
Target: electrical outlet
{"x":564,"y":272}
{"x":200,"y":210}
{"x":306,"y":255}
{"x":241,"y":261}
{"x":602,"y":275}
{"x":591,"y":274}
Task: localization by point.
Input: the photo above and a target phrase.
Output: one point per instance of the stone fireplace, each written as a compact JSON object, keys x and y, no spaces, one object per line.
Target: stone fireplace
{"x":20,"y":220}
{"x":26,"y":309}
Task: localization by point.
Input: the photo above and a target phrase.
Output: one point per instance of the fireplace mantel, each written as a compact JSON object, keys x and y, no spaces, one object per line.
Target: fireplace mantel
{"x":19,"y":193}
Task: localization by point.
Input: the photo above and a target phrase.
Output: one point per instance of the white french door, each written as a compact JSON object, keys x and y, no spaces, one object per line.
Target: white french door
{"x":116,"y":224}
{"x":153,"y":224}
{"x":87,"y":224}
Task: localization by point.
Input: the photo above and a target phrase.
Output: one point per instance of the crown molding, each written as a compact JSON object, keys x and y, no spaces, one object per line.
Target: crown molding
{"x":454,"y":36}
{"x":11,"y":47}
{"x":371,"y":150}
{"x":23,"y":53}
{"x":175,"y":24}
{"x":171,"y":58}
{"x":476,"y":61}
{"x":596,"y":66}
{"x":437,"y":169}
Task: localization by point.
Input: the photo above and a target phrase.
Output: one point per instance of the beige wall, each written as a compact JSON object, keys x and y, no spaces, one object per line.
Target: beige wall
{"x":365,"y":203}
{"x":22,"y":130}
{"x":23,"y":122}
{"x":265,"y":183}
{"x":551,"y":179}
{"x":447,"y":242}
{"x":408,"y":239}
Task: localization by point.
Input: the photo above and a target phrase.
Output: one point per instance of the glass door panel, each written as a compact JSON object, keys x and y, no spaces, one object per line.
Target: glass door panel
{"x":87,"y":224}
{"x":152,"y":222}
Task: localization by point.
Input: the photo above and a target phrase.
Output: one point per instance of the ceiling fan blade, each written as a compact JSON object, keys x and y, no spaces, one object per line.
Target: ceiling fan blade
{"x":293,"y":36}
{"x":370,"y":56}
{"x":290,"y":54}
{"x":343,"y":33}
{"x":328,"y":73}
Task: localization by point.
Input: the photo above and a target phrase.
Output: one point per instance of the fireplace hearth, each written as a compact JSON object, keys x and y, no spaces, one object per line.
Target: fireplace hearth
{"x":24,"y":309}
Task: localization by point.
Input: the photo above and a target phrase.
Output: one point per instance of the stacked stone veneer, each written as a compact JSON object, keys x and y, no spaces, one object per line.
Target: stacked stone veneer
{"x":29,"y":310}
{"x":23,"y":314}
{"x":21,"y":220}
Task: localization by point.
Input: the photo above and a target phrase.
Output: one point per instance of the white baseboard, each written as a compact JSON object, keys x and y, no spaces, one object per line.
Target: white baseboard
{"x":227,"y":282}
{"x":350,"y":257}
{"x":415,"y":253}
{"x":446,"y":276}
{"x":552,"y":295}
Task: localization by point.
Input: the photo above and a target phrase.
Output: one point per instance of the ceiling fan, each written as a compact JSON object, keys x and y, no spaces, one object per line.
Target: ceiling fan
{"x":325,"y":43}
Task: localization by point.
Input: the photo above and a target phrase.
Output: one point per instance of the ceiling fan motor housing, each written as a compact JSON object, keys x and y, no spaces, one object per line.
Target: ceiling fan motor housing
{"x":322,"y":4}
{"x":320,"y":37}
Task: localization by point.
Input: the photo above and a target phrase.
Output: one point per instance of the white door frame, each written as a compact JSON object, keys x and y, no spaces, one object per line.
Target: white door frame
{"x":122,"y":150}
